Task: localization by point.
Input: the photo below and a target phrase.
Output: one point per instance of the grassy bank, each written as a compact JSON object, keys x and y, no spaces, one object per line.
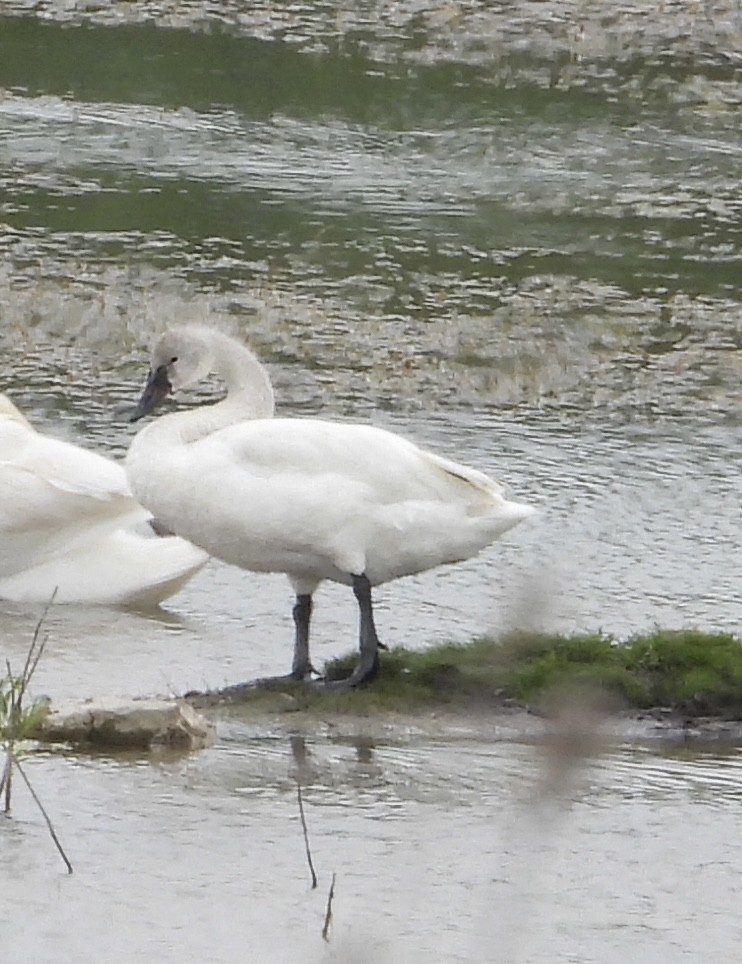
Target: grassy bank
{"x":691,"y":672}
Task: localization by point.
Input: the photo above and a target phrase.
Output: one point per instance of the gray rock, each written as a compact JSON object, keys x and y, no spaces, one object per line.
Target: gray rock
{"x":124,"y":723}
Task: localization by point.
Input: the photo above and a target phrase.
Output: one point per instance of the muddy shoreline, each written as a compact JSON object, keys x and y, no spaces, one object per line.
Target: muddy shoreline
{"x":146,"y":723}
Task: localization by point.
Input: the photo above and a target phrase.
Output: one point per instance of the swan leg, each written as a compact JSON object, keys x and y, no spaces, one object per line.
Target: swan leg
{"x":368,"y":639}
{"x":301,"y":667}
{"x":369,"y":642}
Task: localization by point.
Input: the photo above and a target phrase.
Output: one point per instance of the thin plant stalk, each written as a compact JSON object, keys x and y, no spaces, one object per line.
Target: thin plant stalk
{"x":328,"y":912}
{"x":306,"y":835}
{"x":5,"y":783}
{"x":45,"y":815}
{"x":35,"y":651}
{"x":17,"y":724}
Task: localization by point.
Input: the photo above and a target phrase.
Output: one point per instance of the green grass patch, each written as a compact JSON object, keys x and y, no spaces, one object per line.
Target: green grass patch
{"x":696,"y":673}
{"x":521,"y":668}
{"x":18,"y":722}
{"x":690,"y":671}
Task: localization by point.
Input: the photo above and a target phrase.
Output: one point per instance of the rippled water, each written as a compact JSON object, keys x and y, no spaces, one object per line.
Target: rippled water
{"x":440,"y":847}
{"x":510,"y":231}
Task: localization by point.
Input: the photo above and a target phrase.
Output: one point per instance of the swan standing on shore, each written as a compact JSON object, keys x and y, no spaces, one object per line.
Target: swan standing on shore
{"x":313,"y":499}
{"x":70,"y":526}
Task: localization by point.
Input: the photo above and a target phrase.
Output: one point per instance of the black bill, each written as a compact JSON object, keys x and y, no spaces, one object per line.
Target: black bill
{"x":156,"y":390}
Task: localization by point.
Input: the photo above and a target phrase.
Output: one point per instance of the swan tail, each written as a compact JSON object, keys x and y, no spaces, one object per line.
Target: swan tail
{"x":469,"y":482}
{"x":507,"y":515}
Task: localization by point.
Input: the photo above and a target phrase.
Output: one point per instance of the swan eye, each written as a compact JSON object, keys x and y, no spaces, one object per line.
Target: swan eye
{"x":173,"y":360}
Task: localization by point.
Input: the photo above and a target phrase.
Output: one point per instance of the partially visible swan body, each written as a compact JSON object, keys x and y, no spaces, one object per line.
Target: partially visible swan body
{"x":313,"y":499}
{"x":69,"y":526}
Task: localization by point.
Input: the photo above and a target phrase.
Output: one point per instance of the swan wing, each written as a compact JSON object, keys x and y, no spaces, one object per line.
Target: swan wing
{"x":392,"y":468}
{"x":69,"y":525}
{"x":60,"y":464}
{"x":122,"y":568}
{"x":54,"y":495}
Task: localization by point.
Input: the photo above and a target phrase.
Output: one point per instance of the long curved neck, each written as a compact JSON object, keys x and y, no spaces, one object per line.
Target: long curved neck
{"x":249,"y":389}
{"x":249,"y":395}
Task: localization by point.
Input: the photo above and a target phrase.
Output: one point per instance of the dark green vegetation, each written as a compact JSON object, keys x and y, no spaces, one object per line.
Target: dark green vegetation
{"x":691,"y":672}
{"x":19,"y":721}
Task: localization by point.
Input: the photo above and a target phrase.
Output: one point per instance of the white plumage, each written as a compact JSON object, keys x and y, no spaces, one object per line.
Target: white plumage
{"x":69,"y":524}
{"x":310,"y":498}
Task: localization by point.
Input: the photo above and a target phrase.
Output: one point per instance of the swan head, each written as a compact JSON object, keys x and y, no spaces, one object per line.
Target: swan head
{"x":181,"y":356}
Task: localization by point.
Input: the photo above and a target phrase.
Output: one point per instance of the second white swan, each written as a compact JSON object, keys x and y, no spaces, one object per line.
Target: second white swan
{"x":70,"y":527}
{"x":310,"y":498}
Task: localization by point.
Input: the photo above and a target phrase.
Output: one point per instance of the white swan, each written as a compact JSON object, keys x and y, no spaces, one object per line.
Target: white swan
{"x":69,"y":523}
{"x":313,"y":499}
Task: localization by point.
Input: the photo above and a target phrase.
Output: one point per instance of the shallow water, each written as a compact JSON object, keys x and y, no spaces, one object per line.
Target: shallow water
{"x":512,"y":234}
{"x":441,"y":847}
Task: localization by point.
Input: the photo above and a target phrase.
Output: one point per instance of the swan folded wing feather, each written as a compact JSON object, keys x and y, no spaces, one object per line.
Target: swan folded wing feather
{"x":471,"y":483}
{"x":28,"y":499}
{"x":54,"y":495}
{"x":69,"y":525}
{"x":290,"y":525}
{"x":9,"y":413}
{"x":77,"y":471}
{"x":121,"y":568}
{"x":60,"y":464}
{"x":394,"y":468}
{"x":37,"y":519}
